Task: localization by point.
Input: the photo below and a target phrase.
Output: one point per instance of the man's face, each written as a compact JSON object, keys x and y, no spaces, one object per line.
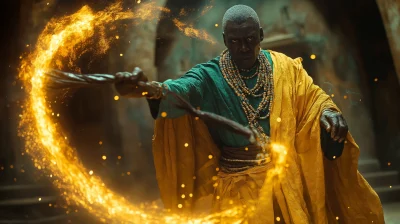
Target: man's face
{"x":243,"y":42}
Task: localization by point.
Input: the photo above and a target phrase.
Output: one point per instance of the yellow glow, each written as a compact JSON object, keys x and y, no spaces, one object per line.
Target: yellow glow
{"x":62,"y":38}
{"x":313,"y":56}
{"x":164,"y":114}
{"x":116,"y":97}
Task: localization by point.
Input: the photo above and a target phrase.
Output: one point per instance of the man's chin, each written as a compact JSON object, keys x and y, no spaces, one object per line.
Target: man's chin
{"x":246,"y":65}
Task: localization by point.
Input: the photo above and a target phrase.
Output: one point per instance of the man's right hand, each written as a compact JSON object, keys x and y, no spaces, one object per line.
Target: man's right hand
{"x":133,"y":84}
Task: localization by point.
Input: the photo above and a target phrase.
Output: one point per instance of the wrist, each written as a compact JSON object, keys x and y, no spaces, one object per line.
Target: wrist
{"x":158,"y":90}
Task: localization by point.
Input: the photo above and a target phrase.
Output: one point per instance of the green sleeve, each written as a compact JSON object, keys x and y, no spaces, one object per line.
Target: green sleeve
{"x":190,"y":87}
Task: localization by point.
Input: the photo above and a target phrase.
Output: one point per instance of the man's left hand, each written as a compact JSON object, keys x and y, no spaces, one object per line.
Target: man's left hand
{"x":334,"y":123}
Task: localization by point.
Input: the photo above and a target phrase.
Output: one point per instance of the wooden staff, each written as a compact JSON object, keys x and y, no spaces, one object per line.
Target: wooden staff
{"x":57,"y":80}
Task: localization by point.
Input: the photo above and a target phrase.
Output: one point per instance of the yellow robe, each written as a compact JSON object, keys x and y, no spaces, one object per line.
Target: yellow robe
{"x":311,"y":188}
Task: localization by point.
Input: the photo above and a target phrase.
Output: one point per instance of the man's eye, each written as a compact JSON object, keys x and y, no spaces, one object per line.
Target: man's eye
{"x":250,"y":39}
{"x":234,"y":41}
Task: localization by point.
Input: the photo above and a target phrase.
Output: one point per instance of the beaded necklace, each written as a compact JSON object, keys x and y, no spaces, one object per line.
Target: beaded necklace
{"x":264,"y":88}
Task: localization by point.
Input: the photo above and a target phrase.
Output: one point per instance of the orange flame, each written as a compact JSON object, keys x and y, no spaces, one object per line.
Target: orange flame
{"x":192,"y":32}
{"x":46,"y":144}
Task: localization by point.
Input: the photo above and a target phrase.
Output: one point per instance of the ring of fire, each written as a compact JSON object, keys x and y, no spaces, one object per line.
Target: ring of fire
{"x":50,"y":149}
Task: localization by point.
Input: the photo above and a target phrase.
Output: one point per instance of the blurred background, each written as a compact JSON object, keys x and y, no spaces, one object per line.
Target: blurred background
{"x":350,"y":48}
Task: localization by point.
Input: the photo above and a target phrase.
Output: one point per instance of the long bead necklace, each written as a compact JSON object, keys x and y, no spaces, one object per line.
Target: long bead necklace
{"x":263,"y":88}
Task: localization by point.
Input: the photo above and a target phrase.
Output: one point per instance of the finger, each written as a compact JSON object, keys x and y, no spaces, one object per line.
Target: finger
{"x":137,"y":73}
{"x":325,"y":124}
{"x":343,"y":129}
{"x":335,"y":125}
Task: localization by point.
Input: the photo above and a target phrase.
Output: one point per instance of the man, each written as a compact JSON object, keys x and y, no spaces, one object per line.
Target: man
{"x":273,"y":95}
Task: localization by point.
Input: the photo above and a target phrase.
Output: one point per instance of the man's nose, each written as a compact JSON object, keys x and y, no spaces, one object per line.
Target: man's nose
{"x":244,"y":47}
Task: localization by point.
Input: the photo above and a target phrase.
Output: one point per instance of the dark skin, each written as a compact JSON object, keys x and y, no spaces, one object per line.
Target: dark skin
{"x":243,"y":43}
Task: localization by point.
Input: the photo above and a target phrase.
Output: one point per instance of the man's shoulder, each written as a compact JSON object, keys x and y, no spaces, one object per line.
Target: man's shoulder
{"x":279,"y":57}
{"x":207,"y":68}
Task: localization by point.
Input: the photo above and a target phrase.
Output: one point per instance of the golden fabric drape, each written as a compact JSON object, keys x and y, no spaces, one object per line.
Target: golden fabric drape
{"x":311,"y":189}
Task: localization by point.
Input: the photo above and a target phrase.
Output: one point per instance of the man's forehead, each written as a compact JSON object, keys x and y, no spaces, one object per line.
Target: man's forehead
{"x":234,"y":32}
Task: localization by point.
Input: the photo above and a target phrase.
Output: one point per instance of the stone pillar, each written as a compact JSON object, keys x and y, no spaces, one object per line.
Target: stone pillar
{"x":390,"y":11}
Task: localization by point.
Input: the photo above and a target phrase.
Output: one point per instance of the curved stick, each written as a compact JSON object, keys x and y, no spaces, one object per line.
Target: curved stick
{"x":56,"y":80}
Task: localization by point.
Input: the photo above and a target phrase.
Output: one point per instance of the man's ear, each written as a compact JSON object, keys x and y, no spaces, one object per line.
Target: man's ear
{"x":223,"y":36}
{"x":261,"y":34}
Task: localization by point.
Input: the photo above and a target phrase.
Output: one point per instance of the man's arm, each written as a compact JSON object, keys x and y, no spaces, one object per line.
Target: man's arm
{"x":190,"y":87}
{"x":312,"y":101}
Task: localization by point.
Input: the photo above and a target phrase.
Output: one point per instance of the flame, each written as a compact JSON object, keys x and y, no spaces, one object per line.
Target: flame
{"x":192,"y":32}
{"x":43,"y":139}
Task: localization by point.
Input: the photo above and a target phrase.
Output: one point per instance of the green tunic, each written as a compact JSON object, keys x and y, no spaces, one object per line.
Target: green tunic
{"x":204,"y":86}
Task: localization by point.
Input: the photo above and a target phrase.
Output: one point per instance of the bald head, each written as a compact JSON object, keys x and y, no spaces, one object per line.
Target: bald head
{"x":242,"y":35}
{"x":239,"y":14}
